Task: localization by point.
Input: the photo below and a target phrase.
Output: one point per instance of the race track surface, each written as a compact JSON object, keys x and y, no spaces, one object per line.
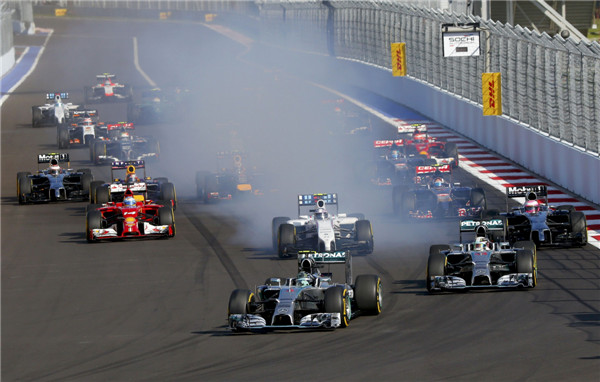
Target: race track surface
{"x":155,"y":310}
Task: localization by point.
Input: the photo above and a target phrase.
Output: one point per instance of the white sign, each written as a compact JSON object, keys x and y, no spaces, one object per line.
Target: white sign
{"x":461,"y":44}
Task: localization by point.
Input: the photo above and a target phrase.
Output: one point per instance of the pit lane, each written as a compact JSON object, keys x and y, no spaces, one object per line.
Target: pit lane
{"x":155,"y":309}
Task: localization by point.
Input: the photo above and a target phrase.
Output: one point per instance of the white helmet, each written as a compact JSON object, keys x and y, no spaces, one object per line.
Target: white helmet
{"x":321,"y":214}
{"x":482,"y":243}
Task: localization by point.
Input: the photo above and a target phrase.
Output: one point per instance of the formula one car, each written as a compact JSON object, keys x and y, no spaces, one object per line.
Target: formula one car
{"x":544,"y":224}
{"x":119,"y":144}
{"x":82,"y":128}
{"x":134,"y":217}
{"x":311,"y":300}
{"x":416,"y":141}
{"x":54,"y":183}
{"x":107,"y":90}
{"x":482,"y":263}
{"x":435,"y":196}
{"x":321,"y":231}
{"x":158,"y":106}
{"x":393,"y":165}
{"x":233,"y":180}
{"x":158,"y":189}
{"x":52,"y":114}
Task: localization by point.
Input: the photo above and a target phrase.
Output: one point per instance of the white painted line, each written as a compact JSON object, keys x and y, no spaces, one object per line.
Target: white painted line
{"x":136,"y":62}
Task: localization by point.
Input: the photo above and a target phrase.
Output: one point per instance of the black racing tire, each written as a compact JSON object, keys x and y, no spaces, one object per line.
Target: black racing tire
{"x":165,"y":217}
{"x":286,"y":237}
{"x":478,"y":198}
{"x":86,"y":182}
{"x":92,"y":207}
{"x":167,"y":192}
{"x":93,"y":186}
{"x":23,"y":186}
{"x":579,"y":226}
{"x":275,"y":223}
{"x":336,"y":301}
{"x":528,"y":245}
{"x":102,"y":195}
{"x":436,"y":264}
{"x":128,"y":93}
{"x":211,"y":184}
{"x":526,"y":263}
{"x":63,"y":136}
{"x":99,"y":149}
{"x":36,"y":116}
{"x":239,"y":302}
{"x":452,"y":152}
{"x":91,"y":147}
{"x":93,"y":221}
{"x":368,"y":294}
{"x":153,"y":146}
{"x":133,"y":113}
{"x":364,"y":233}
{"x":566,"y":207}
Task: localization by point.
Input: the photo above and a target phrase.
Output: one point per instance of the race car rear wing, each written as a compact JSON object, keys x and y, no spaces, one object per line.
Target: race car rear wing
{"x":51,"y":96}
{"x":534,"y":192}
{"x":120,"y":125}
{"x":482,"y":227}
{"x":308,"y":260}
{"x":433,"y":169}
{"x":388,"y":143}
{"x":105,"y":75}
{"x":46,"y":158}
{"x":122,"y":165}
{"x":84,"y":113}
{"x":413,"y":128}
{"x":317,"y":200}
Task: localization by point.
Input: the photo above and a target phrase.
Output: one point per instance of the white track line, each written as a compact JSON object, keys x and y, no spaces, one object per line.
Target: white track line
{"x":136,"y":62}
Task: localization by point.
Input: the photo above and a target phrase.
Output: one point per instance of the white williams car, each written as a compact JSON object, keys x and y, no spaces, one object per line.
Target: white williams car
{"x":321,"y":230}
{"x":54,"y":113}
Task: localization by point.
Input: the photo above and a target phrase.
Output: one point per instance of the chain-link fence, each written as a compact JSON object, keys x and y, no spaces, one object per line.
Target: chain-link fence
{"x":548,"y":83}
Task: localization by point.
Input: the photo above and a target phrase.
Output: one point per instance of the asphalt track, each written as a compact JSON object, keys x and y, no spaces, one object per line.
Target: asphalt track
{"x":155,"y":310}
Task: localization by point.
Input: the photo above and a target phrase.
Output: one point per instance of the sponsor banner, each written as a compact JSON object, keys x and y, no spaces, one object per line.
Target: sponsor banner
{"x":492,"y":93}
{"x":398,"y":59}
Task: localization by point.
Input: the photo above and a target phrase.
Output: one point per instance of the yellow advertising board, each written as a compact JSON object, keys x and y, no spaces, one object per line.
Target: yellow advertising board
{"x":492,"y":93}
{"x":398,"y":59}
{"x":60,"y":12}
{"x":210,"y":17}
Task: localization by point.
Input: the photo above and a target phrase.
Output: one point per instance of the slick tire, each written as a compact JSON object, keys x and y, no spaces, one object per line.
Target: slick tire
{"x":93,"y":221}
{"x":368,"y":294}
{"x":478,"y":198}
{"x":86,"y":182}
{"x":93,"y":187}
{"x":102,"y":195}
{"x":526,"y":264}
{"x":23,"y":186}
{"x":336,"y":300}
{"x":436,"y":264}
{"x":99,"y":149}
{"x":579,"y":226}
{"x":275,"y":223}
{"x":167,"y":192}
{"x":165,"y":217}
{"x":364,"y":233}
{"x":286,"y":238}
{"x":239,"y":302}
{"x":63,"y":136}
{"x":452,"y":152}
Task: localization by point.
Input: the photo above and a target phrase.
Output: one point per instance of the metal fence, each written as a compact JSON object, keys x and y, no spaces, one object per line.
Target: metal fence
{"x":548,"y":83}
{"x":6,"y":29}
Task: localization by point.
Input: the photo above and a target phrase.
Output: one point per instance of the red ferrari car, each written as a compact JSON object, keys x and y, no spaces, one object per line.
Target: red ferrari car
{"x":134,"y":217}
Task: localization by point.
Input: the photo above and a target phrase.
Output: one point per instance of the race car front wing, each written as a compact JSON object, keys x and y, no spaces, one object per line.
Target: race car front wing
{"x":249,"y":322}
{"x":513,"y":280}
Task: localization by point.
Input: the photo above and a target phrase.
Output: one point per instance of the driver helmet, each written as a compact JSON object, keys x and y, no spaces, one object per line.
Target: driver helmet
{"x":107,"y":82}
{"x":54,"y":169}
{"x":395,"y":154}
{"x":125,"y":135}
{"x":129,"y":201}
{"x":321,"y":214}
{"x":303,"y":279}
{"x":532,"y":206}
{"x":438,"y":182}
{"x":131,"y":178}
{"x":481,"y":243}
{"x":156,"y":100}
{"x":419,"y":137}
